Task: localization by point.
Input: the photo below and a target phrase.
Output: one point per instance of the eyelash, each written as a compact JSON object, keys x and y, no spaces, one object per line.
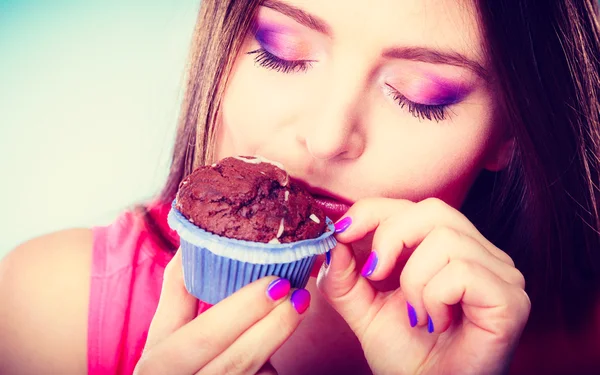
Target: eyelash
{"x":267,"y":60}
{"x":435,"y":113}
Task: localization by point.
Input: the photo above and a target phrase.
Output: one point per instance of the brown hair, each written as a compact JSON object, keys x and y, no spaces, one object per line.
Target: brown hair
{"x":542,"y":209}
{"x":218,"y":37}
{"x":545,"y":58}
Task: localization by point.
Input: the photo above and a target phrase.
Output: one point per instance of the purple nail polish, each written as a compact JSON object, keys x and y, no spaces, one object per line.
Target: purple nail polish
{"x":328,"y":258}
{"x":430,"y":328}
{"x":278,"y":289}
{"x":300,"y":300}
{"x":343,"y":224}
{"x":370,"y":265}
{"x":412,"y":315}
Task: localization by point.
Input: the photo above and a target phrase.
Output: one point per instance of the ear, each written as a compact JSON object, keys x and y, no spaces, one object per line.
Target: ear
{"x":499,"y":158}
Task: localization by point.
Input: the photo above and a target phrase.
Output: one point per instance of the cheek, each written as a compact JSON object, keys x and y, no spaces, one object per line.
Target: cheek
{"x":242,"y":112}
{"x":257,"y":107}
{"x":430,"y":160}
{"x":431,"y":174}
{"x":446,"y":175}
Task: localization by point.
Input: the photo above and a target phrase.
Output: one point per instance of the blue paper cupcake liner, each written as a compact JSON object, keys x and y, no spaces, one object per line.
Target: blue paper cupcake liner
{"x":215,"y":267}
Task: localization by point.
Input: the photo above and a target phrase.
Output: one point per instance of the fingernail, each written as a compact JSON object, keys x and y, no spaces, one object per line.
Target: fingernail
{"x":300,"y":300}
{"x":278,"y":289}
{"x":343,"y":224}
{"x":328,"y":258}
{"x":412,"y":315}
{"x":429,"y":324}
{"x":370,"y":265}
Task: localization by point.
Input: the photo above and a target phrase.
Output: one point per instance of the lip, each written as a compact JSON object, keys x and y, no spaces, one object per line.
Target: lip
{"x":332,"y":205}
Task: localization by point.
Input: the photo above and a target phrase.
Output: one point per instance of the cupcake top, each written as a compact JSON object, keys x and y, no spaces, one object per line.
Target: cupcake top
{"x":250,"y":199}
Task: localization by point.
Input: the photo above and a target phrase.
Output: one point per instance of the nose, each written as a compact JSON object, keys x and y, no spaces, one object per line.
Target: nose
{"x":335,"y":130}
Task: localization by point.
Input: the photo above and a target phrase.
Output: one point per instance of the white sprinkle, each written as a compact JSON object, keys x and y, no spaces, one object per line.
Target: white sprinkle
{"x":192,"y":221}
{"x":263,"y":173}
{"x":184,"y":183}
{"x":257,"y":159}
{"x":213,"y":165}
{"x":287,"y":195}
{"x":248,"y":160}
{"x":274,"y":241}
{"x":314,"y":218}
{"x":280,"y":230}
{"x":275,"y":163}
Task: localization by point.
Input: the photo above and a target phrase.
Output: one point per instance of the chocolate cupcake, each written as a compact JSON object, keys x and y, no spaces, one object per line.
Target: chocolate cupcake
{"x":242,"y":219}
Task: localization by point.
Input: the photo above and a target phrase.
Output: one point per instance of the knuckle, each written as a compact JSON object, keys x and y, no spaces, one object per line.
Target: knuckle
{"x":408,"y":281}
{"x":505,"y":257}
{"x":286,"y":322}
{"x":463,"y":267}
{"x":237,"y":363}
{"x":517,"y":278}
{"x":445,"y":235}
{"x":429,"y":295}
{"x":514,"y":313}
{"x":434,"y":204}
{"x":413,"y":285}
{"x":524,"y":302}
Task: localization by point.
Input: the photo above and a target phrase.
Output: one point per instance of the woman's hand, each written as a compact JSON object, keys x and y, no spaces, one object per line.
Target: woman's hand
{"x":460,"y":307}
{"x":236,"y":336}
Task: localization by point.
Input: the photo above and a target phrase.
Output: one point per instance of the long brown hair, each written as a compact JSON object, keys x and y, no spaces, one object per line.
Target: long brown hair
{"x":545,"y":58}
{"x":542,"y":209}
{"x":218,"y":37}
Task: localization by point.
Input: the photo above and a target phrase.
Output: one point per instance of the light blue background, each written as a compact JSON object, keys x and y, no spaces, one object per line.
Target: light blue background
{"x":89,"y":94}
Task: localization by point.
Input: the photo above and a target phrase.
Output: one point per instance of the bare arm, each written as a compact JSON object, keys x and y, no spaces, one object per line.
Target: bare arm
{"x":44,"y":292}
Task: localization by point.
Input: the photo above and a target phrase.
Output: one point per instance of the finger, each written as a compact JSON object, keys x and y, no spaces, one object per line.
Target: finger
{"x":441,"y":247}
{"x":365,"y":216}
{"x":410,"y":222}
{"x":350,"y":295}
{"x":487,"y":301}
{"x":255,"y":346}
{"x":198,"y":342}
{"x":176,"y":306}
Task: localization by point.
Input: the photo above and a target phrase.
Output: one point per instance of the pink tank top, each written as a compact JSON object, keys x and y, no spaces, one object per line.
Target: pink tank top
{"x":127,"y":273}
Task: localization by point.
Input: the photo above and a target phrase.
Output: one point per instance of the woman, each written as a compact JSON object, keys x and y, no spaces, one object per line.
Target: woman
{"x":452,"y":140}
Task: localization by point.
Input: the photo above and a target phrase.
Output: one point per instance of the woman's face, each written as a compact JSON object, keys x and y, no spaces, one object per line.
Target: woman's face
{"x":389,"y":98}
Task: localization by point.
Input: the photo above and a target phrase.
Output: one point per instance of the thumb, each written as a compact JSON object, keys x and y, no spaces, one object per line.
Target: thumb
{"x":350,"y":294}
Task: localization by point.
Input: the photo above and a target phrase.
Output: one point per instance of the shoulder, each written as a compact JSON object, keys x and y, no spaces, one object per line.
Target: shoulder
{"x":44,"y":292}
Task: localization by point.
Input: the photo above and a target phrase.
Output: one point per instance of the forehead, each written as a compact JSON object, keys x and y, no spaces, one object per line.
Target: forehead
{"x":450,"y":25}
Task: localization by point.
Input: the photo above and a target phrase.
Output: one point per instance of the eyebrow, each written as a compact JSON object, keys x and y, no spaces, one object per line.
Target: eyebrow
{"x":434,"y":56}
{"x":422,"y":54}
{"x":299,"y":16}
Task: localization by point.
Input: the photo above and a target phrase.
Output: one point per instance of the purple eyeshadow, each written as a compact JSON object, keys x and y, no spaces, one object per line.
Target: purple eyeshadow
{"x":266,"y":37}
{"x":442,"y":92}
{"x":277,"y":41}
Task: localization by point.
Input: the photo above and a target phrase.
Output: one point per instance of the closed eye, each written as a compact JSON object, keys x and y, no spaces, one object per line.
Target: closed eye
{"x":267,"y":60}
{"x":429,"y":112}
